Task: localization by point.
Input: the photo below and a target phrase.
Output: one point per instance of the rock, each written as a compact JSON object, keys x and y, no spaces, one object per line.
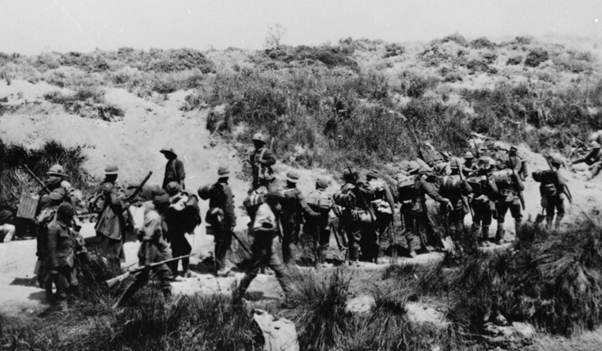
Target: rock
{"x":279,"y":334}
{"x":360,"y":304}
{"x":421,"y":313}
{"x":524,"y":329}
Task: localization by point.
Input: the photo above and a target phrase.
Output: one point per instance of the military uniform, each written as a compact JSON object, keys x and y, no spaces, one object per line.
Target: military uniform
{"x":509,"y":198}
{"x":262,"y":159}
{"x":222,"y":218}
{"x":182,"y":217}
{"x":426,"y":183}
{"x":457,"y":192}
{"x":174,"y":169}
{"x":264,"y":248}
{"x":153,"y":249}
{"x":485,"y":192}
{"x":383,"y":205}
{"x":294,"y":208}
{"x":318,"y":226}
{"x":355,"y":198}
{"x":552,"y":190}
{"x":593,"y":159}
{"x":112,"y":222}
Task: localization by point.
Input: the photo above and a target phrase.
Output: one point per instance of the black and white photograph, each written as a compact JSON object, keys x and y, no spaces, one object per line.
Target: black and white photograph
{"x":282,"y":175}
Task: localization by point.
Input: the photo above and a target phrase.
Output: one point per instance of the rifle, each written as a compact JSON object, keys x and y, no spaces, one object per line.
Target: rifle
{"x":520,"y":192}
{"x":566,"y":188}
{"x":118,"y":279}
{"x":139,"y":188}
{"x":36,"y":179}
{"x":464,"y":199}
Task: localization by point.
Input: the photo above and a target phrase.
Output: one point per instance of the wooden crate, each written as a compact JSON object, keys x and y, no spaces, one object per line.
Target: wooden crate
{"x":28,"y":205}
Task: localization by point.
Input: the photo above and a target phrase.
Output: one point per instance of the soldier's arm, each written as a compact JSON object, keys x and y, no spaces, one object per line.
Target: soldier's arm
{"x":584,"y":159}
{"x":181,"y":174}
{"x":305,"y":207}
{"x":431,"y":191}
{"x":268,"y":158}
{"x":389,"y":197}
{"x":53,"y":235}
{"x":229,"y":205}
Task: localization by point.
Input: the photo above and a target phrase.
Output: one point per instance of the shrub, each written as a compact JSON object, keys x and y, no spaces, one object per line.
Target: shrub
{"x":515,"y":60}
{"x":87,"y":102}
{"x":536,"y":57}
{"x":456,"y":38}
{"x":483,"y":43}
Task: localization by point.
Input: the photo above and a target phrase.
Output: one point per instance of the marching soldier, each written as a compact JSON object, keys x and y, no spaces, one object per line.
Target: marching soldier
{"x":469,"y":168}
{"x":264,"y":249}
{"x":294,"y":207}
{"x":457,"y":191}
{"x":262,"y":159}
{"x":517,"y":163}
{"x":483,"y":203}
{"x":318,"y":227}
{"x":174,"y":169}
{"x":593,"y":159}
{"x":553,"y":190}
{"x":222,"y":219}
{"x":153,"y":248}
{"x":384,"y":205}
{"x":56,"y":174}
{"x":114,"y":220}
{"x":63,"y":246}
{"x":358,"y":218}
{"x":47,"y":214}
{"x":180,"y":220}
{"x":510,"y":198}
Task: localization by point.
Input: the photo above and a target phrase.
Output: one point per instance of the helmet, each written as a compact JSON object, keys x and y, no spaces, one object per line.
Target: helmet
{"x":111,"y":170}
{"x":455,"y":163}
{"x":172,"y":188}
{"x":223,"y":171}
{"x":258,"y":137}
{"x":372,"y":174}
{"x":412,"y":167}
{"x":292,"y":176}
{"x":468,"y":155}
{"x":168,"y":150}
{"x":322,"y":183}
{"x":56,"y":170}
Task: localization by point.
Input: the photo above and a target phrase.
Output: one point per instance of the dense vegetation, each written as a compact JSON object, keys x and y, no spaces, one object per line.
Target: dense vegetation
{"x":365,"y":100}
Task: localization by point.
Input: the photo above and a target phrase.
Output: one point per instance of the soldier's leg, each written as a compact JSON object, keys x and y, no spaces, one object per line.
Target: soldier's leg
{"x":478,"y":217}
{"x":559,"y":211}
{"x":515,"y":210}
{"x":165,"y":275}
{"x":276,"y":265}
{"x":369,"y":241}
{"x":486,"y":219}
{"x":324,"y":242}
{"x":354,"y":235}
{"x":502,"y":208}
{"x":550,"y":209}
{"x":61,"y":279}
{"x":290,"y":239}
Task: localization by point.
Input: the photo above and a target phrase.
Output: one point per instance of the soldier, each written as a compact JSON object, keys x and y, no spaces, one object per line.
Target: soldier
{"x":262,"y":159}
{"x":174,"y":169}
{"x":357,"y":218}
{"x":7,"y":228}
{"x":483,"y":203}
{"x":62,"y":245}
{"x":510,"y":198}
{"x":517,"y":163}
{"x":553,"y":190}
{"x":113,"y":221}
{"x":469,"y":168}
{"x":267,"y":229}
{"x":153,"y":248}
{"x":57,"y":171}
{"x":294,"y":208}
{"x":458,"y":192}
{"x":593,"y":159}
{"x":411,"y":210}
{"x":178,"y":226}
{"x":222,"y":219}
{"x":50,"y":205}
{"x":384,"y":205}
{"x":318,"y":227}
{"x":427,"y":183}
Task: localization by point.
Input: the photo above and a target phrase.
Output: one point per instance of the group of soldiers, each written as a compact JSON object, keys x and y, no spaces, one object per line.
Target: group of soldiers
{"x":487,"y":182}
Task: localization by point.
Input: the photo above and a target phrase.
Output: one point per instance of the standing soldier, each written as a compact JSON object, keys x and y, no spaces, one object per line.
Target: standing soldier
{"x":174,"y":169}
{"x":358,"y":218}
{"x":222,"y":219}
{"x":153,"y":249}
{"x":294,"y":208}
{"x":267,"y":229}
{"x":469,"y":168}
{"x":457,"y":191}
{"x":510,"y":198}
{"x":178,"y":221}
{"x":483,"y":203}
{"x":411,"y":211}
{"x":262,"y":159}
{"x":113,"y":220}
{"x":553,"y":190}
{"x":593,"y":160}
{"x":384,"y":205}
{"x":318,"y":227}
{"x":62,"y":247}
{"x":47,"y":214}
{"x":517,"y":163}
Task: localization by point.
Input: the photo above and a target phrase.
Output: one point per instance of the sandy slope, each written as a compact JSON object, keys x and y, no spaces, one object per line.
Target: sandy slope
{"x":134,"y":145}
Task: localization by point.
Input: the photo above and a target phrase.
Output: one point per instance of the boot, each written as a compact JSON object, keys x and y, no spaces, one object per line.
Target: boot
{"x":485,"y":234}
{"x":499,"y":235}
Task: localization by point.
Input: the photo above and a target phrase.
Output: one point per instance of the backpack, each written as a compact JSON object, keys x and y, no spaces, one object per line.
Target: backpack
{"x":450,"y":185}
{"x":96,"y":202}
{"x":319,"y":201}
{"x":476,"y":185}
{"x":407,"y":190}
